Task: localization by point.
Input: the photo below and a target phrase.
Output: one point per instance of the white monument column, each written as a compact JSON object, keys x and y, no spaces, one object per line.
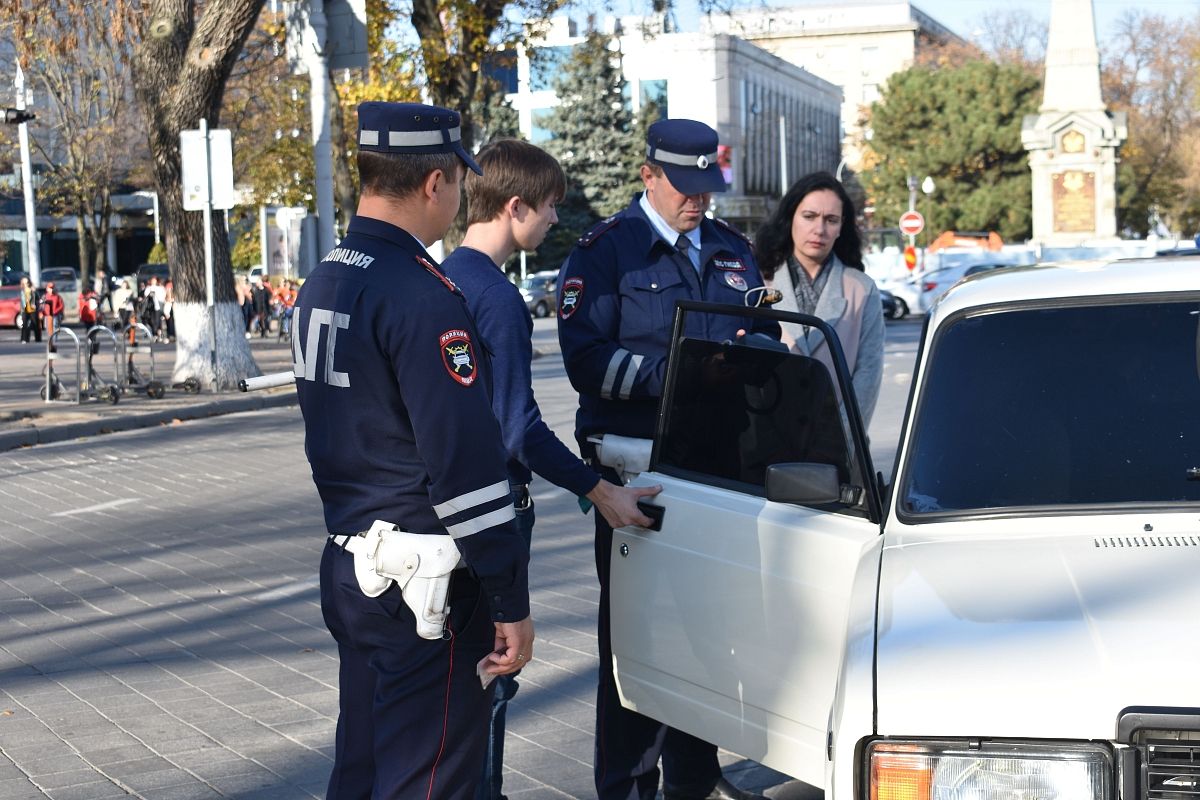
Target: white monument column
{"x":1073,"y":140}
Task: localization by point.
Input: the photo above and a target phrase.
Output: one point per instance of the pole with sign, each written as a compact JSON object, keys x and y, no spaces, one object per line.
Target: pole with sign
{"x":911,"y":223}
{"x":207,"y":167}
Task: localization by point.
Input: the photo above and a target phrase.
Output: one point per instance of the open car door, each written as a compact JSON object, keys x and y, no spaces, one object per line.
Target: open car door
{"x":729,"y":623}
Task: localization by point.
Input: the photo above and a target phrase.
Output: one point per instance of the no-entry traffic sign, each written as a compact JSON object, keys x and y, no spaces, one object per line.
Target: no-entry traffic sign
{"x":911,"y":223}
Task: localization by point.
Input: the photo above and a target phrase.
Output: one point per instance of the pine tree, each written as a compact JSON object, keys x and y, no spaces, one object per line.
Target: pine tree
{"x":596,"y":139}
{"x":961,"y":125}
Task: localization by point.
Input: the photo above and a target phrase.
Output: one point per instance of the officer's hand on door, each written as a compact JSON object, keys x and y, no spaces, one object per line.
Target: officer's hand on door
{"x":618,"y":504}
{"x":514,"y":647}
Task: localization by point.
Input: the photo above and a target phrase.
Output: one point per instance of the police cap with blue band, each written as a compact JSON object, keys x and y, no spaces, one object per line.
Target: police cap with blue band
{"x":411,"y":129}
{"x":687,"y":152}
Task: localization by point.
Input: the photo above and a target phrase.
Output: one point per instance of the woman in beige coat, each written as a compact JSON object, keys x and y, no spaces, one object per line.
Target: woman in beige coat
{"x":811,"y":251}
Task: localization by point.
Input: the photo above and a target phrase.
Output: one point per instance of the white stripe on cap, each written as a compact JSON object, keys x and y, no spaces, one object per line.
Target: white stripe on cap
{"x":369,"y":138}
{"x":482,"y":522}
{"x":421,"y":138}
{"x":681,"y":160}
{"x":469,"y":500}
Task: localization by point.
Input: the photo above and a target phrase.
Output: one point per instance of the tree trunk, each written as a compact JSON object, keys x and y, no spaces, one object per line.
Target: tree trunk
{"x":343,"y":182}
{"x":180,"y":71}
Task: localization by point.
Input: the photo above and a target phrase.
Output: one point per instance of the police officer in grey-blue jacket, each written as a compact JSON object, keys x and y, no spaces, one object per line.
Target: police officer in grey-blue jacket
{"x":399,"y":428}
{"x":617,"y":294}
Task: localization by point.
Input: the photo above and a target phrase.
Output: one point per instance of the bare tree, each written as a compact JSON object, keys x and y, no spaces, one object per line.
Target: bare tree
{"x":76,"y":55}
{"x":1150,"y":71}
{"x":1013,"y":36}
{"x":180,"y":69}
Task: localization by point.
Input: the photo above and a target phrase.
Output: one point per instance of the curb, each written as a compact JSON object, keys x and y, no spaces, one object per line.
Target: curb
{"x":48,"y":432}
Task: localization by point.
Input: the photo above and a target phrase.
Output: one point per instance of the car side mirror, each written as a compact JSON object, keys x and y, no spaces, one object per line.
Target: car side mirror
{"x":805,"y":484}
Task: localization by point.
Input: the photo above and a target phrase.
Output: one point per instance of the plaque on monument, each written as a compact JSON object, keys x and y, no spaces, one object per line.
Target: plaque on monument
{"x":1074,"y":197}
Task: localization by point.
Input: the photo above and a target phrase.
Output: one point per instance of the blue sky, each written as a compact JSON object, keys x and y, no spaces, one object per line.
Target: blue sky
{"x":961,"y":16}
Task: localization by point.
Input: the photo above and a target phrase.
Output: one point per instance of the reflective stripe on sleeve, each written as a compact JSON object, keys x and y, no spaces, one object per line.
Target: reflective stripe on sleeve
{"x":610,"y":375}
{"x":469,"y":500}
{"x":482,"y":523}
{"x":630,"y":374}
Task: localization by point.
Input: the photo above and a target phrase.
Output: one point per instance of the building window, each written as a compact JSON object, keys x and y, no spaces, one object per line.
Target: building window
{"x":545,"y":66}
{"x":870,"y":61}
{"x":654,"y":92}
{"x":870,"y":93}
{"x":538,"y":119}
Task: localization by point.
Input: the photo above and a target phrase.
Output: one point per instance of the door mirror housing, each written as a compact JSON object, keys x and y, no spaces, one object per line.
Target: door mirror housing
{"x":804,"y":484}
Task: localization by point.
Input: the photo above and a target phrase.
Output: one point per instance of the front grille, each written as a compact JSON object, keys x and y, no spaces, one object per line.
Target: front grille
{"x":1169,"y":764}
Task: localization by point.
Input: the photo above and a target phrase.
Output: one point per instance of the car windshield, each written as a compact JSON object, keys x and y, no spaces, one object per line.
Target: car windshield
{"x":1076,"y":406}
{"x":58,"y":275}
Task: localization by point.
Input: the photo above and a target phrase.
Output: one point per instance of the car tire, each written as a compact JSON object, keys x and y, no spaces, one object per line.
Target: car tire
{"x":541,"y":309}
{"x":901,"y":309}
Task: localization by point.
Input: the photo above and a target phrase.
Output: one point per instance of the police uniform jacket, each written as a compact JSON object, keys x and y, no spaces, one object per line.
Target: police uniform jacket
{"x":397,"y":407}
{"x":617,"y":292}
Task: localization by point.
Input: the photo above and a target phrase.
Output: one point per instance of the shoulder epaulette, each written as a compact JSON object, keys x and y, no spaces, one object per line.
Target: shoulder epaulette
{"x":729,"y":227}
{"x":598,"y":230}
{"x":437,"y":273}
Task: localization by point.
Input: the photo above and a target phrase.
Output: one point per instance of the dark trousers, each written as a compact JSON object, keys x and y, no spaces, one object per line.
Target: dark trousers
{"x":412,"y":713}
{"x":30,"y":323}
{"x":629,"y":745}
{"x":491,"y":785}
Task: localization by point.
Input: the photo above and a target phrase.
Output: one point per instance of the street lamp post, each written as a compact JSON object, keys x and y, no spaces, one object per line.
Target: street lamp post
{"x":927,"y":188}
{"x":32,"y":263}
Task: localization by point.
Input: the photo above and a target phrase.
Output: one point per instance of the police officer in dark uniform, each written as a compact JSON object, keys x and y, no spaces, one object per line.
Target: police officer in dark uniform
{"x":399,"y":429}
{"x":617,"y":293}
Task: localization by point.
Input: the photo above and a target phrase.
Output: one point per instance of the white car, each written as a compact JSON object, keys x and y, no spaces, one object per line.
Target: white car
{"x":1016,"y":618}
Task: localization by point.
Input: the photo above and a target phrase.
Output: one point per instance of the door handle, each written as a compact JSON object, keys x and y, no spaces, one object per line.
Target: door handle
{"x":654,"y":512}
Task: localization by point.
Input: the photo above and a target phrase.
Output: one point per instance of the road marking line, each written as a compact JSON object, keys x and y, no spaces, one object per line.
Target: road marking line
{"x":101,"y":507}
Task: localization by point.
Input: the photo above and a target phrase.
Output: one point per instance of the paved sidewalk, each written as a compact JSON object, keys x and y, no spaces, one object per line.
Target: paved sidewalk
{"x":26,"y":419}
{"x":160,"y":635}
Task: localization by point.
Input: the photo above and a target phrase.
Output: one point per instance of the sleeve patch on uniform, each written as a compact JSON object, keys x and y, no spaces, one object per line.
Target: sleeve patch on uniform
{"x":458,"y":356}
{"x":572,"y":293}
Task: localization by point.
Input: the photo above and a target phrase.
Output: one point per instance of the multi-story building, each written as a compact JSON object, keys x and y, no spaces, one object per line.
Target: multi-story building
{"x":776,"y":120}
{"x":856,"y":45}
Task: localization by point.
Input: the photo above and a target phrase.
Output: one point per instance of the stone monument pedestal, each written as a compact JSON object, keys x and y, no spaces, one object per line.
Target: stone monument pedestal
{"x":1073,"y":141}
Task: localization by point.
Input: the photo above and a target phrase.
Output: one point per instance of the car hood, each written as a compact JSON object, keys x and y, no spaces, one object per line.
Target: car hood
{"x":1013,"y":632}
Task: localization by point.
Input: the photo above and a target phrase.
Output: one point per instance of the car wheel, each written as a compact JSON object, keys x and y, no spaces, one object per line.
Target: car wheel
{"x":901,"y":309}
{"x":541,"y":309}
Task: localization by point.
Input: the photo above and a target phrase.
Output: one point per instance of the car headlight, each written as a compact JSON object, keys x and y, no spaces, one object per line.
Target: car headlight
{"x":988,"y":771}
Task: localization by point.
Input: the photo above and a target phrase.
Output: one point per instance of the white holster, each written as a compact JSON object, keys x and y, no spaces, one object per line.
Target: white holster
{"x":625,"y":454}
{"x":420,"y":563}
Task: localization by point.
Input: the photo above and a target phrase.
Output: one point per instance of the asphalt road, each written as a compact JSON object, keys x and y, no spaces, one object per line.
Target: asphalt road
{"x":162,"y":636}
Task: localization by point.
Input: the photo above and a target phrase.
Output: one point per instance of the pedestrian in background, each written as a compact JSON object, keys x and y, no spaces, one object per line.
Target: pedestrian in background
{"x":617,"y":292}
{"x":811,"y":251}
{"x":30,"y":320}
{"x":399,"y":429}
{"x":52,"y":312}
{"x":510,"y":207}
{"x":261,"y":299}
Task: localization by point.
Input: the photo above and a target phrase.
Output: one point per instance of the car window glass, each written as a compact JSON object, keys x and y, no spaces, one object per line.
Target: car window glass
{"x":1083,"y":405}
{"x":735,"y":410}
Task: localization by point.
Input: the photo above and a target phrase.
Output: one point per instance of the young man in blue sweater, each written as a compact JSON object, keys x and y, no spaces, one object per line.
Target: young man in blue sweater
{"x":510,"y":208}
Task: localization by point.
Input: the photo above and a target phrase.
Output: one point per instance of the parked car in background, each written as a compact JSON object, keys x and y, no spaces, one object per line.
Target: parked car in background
{"x":538,"y":290}
{"x":10,"y":306}
{"x":66,"y":284}
{"x":1012,"y":618}
{"x":890,"y":306}
{"x":146,"y":271}
{"x":11,"y":276}
{"x":906,"y":293}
